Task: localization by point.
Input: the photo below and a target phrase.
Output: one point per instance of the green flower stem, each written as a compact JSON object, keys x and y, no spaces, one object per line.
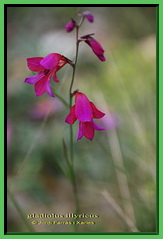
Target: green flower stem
{"x":66,"y":153}
{"x":20,"y":211}
{"x":72,"y":175}
{"x":71,"y":127}
{"x":72,"y":178}
{"x":75,"y":190}
{"x":70,"y":95}
{"x":74,"y":67}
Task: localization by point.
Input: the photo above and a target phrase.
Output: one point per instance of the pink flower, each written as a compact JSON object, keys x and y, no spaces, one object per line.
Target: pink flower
{"x":47,"y":68}
{"x":89,"y":16}
{"x":70,"y":25}
{"x":85,"y":111}
{"x":96,"y":46}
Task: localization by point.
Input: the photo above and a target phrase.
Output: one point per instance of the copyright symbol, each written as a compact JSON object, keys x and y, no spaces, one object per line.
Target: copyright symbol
{"x":34,"y":222}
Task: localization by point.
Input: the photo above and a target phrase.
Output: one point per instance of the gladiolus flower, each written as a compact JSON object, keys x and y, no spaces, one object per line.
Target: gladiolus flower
{"x":70,"y":25}
{"x":85,"y":111}
{"x":95,"y":45}
{"x":47,"y":68}
{"x":89,"y":16}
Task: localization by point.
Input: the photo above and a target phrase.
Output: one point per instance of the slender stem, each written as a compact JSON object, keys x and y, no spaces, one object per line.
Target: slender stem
{"x":70,"y":94}
{"x":71,"y":127}
{"x":74,"y":68}
{"x":66,"y":153}
{"x":72,"y":175}
{"x":75,"y":190}
{"x":81,"y":21}
{"x":20,"y":211}
{"x":71,"y":144}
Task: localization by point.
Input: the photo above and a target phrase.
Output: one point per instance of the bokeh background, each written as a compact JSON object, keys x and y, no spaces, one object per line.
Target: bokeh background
{"x":116,"y":172}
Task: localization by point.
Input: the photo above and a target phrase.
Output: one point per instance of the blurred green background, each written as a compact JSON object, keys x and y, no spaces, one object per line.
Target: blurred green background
{"x":116,"y":172}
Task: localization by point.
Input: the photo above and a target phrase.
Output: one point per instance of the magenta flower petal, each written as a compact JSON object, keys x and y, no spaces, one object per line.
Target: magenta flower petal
{"x":48,"y":89}
{"x":50,"y":61}
{"x":89,"y":16}
{"x":97,"y":114}
{"x":96,"y":47}
{"x":88,"y":130}
{"x":34,"y":79}
{"x":55,"y":77}
{"x":97,"y":127}
{"x":42,"y":86}
{"x":34,"y":64}
{"x":70,"y":26}
{"x":102,"y":57}
{"x":80,"y":131}
{"x":83,"y":110}
{"x":71,"y":118}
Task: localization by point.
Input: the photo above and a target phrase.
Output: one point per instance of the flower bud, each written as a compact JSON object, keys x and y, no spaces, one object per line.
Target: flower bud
{"x":70,"y":26}
{"x":89,"y":16}
{"x":95,"y":45}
